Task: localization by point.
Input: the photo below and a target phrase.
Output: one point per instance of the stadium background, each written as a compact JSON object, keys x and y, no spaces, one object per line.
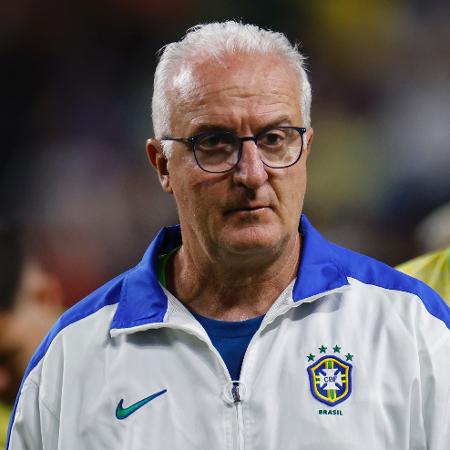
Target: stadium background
{"x":76,"y":84}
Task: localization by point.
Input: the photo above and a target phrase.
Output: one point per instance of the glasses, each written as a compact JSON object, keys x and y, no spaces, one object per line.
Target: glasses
{"x":221,"y":151}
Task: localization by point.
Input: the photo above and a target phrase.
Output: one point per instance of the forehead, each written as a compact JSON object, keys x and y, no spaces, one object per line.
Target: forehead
{"x":255,"y":89}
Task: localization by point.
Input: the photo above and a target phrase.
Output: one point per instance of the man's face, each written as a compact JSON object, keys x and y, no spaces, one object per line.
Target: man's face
{"x":252,"y":210}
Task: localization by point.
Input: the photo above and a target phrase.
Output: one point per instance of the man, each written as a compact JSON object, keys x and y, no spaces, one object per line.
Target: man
{"x":243,"y":327}
{"x":30,"y":303}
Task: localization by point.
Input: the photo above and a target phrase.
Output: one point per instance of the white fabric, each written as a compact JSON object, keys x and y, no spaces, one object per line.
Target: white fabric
{"x":400,"y":381}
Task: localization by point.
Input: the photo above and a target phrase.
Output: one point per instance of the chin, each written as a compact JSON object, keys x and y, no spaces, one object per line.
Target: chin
{"x":252,"y":240}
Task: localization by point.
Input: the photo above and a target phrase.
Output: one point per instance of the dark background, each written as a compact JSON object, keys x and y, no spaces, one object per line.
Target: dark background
{"x":76,"y":85}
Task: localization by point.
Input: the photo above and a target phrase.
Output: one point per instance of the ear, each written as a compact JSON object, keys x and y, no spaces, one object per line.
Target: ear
{"x":308,"y":140}
{"x":159,"y":161}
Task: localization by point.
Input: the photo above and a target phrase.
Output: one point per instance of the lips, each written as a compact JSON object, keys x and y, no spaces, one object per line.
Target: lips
{"x":247,"y":208}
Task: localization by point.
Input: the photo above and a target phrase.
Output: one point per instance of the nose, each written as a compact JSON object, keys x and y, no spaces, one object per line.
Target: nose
{"x":250,"y":171}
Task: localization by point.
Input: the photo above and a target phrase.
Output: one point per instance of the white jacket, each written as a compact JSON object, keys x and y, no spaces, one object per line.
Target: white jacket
{"x":352,"y":355}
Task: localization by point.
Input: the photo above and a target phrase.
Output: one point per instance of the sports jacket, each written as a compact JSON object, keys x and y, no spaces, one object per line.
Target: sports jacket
{"x":352,"y":355}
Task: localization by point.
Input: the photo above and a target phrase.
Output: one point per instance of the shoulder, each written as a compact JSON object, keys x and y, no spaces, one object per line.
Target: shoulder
{"x":397,"y":285}
{"x":78,"y":319}
{"x":328,"y":266}
{"x":371,"y":271}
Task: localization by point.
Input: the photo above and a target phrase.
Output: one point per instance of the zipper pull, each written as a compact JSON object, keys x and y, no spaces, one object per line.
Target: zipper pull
{"x":235,"y":392}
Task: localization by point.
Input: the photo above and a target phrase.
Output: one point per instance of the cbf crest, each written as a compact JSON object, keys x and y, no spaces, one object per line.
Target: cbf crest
{"x":330,"y":377}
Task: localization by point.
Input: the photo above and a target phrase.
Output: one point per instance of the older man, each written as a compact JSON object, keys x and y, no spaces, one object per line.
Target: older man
{"x":242,"y":328}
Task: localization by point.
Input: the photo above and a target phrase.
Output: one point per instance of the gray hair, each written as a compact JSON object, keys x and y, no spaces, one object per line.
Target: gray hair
{"x":214,"y":40}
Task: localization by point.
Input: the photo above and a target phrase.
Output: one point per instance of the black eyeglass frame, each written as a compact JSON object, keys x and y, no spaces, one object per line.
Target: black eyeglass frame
{"x":192,"y":141}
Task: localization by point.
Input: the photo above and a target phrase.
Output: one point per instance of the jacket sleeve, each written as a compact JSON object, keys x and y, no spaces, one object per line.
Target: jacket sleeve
{"x":33,"y":426}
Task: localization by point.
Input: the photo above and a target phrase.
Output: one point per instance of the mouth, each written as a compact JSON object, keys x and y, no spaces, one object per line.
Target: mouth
{"x":248,"y":209}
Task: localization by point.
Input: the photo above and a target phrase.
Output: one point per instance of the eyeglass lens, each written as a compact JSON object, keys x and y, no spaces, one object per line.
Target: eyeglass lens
{"x":219,"y":152}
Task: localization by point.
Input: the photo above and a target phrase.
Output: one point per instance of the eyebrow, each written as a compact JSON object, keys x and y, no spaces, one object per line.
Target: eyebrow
{"x":213,"y":127}
{"x":207,"y":127}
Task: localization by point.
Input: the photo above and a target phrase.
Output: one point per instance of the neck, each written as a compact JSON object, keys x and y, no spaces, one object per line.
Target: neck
{"x":233,"y":288}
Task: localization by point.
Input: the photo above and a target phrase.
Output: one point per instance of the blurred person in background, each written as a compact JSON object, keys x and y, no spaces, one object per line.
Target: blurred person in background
{"x":433,"y":267}
{"x":242,"y":327}
{"x":30,"y":303}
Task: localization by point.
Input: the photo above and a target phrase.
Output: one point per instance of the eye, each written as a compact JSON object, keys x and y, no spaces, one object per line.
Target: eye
{"x":216,"y":141}
{"x":272,"y":138}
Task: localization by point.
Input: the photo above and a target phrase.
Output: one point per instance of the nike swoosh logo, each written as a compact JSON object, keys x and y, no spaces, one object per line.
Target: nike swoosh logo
{"x":123,"y":413}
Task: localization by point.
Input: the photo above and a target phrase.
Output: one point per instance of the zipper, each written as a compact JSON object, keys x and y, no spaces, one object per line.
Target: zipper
{"x":235,"y":392}
{"x":232,"y":396}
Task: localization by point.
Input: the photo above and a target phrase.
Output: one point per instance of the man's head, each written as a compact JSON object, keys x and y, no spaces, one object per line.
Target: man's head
{"x":30,"y":301}
{"x":243,"y":80}
{"x":212,"y":42}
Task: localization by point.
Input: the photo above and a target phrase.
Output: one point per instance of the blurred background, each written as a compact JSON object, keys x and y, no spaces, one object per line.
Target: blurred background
{"x":76,"y":85}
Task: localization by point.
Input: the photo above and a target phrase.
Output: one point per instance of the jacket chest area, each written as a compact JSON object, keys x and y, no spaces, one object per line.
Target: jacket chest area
{"x":312,"y":384}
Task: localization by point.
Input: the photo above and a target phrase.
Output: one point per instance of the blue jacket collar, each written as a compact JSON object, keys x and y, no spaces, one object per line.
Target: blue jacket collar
{"x":319,"y":270}
{"x":143,"y":301}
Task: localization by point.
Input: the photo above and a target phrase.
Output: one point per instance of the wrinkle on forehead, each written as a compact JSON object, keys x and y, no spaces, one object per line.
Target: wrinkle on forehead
{"x":259,"y":88}
{"x":198,"y":118}
{"x":206,"y":76}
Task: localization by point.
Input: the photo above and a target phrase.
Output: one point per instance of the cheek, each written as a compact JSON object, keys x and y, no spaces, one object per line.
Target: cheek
{"x":191,"y":196}
{"x":195,"y":190}
{"x":291,"y":191}
{"x":300,"y":190}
